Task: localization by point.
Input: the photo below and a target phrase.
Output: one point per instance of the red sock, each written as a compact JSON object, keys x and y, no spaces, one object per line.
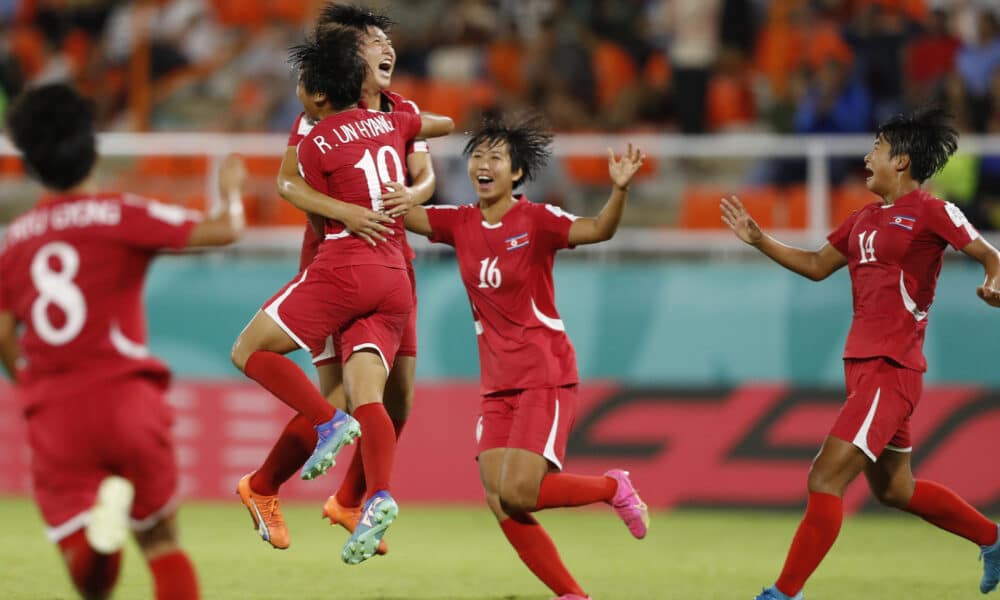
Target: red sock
{"x":566,"y":489}
{"x":814,"y":538}
{"x":378,"y":445}
{"x":353,"y":487}
{"x":285,"y":379}
{"x":539,"y":554}
{"x":93,"y":574}
{"x":174,"y":577}
{"x":287,"y":456}
{"x":944,"y":508}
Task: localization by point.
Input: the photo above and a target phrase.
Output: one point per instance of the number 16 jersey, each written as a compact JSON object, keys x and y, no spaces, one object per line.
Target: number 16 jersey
{"x":507,"y":271}
{"x":72,"y":271}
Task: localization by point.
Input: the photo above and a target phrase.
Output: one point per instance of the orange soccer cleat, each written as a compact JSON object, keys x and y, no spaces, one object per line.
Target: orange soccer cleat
{"x":266,"y":514}
{"x":347,"y":517}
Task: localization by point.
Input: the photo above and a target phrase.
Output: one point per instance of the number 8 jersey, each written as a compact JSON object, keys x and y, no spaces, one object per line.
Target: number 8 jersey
{"x":507,"y":272}
{"x":72,"y":271}
{"x":894,"y":254}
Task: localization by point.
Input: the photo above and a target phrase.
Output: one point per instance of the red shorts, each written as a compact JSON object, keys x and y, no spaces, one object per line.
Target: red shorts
{"x":538,"y":420}
{"x":120,"y":428}
{"x":881,"y":396}
{"x":407,"y":345}
{"x":362,"y":306}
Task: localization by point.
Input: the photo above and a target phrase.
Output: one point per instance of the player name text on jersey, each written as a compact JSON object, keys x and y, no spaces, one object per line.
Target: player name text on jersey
{"x":348,"y":132}
{"x":65,"y":216}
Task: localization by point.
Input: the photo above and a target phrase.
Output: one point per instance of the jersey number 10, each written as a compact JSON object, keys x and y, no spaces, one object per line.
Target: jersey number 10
{"x":376,"y":170}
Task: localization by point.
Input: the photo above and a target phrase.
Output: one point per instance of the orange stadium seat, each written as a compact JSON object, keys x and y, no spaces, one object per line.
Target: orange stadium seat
{"x":614,"y":70}
{"x":846,"y":199}
{"x":10,"y":166}
{"x":504,"y":61}
{"x":593,"y":170}
{"x":793,"y":213}
{"x":700,"y":206}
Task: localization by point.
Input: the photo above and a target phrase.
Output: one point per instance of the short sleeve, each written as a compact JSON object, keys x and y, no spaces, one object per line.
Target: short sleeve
{"x":295,"y":135}
{"x":948,"y":222}
{"x":311,"y":163}
{"x":841,"y":236}
{"x":5,"y":303}
{"x":408,"y":123}
{"x":402,"y":104}
{"x":552,"y":226}
{"x":153,"y":225}
{"x":443,"y":221}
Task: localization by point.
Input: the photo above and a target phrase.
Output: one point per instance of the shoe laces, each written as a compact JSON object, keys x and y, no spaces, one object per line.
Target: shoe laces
{"x":270,"y":508}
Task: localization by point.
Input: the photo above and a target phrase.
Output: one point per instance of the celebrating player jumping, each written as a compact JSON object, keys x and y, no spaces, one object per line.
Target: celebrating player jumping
{"x":894,"y":252}
{"x":506,"y":245}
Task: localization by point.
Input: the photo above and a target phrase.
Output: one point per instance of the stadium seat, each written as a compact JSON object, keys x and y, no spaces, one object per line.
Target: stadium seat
{"x":846,"y":199}
{"x":793,"y":212}
{"x":614,"y":70}
{"x":700,"y":206}
{"x":593,"y":170}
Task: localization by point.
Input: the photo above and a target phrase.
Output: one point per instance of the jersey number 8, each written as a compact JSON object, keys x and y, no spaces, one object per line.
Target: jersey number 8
{"x":57,"y":288}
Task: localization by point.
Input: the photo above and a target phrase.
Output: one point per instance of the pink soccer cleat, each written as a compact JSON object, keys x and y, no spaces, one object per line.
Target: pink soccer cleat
{"x":628,"y":505}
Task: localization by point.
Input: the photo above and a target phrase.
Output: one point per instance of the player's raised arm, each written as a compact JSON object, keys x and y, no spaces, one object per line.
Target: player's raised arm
{"x":432,"y":125}
{"x":9,"y":349}
{"x":814,"y":264}
{"x":588,"y":230}
{"x":364,"y":223}
{"x":225,"y":224}
{"x":987,"y":255}
{"x":417,"y":221}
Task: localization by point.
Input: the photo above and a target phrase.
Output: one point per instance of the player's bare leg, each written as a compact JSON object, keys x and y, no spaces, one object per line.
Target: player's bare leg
{"x":173,"y":574}
{"x":834,"y":468}
{"x":525,"y":534}
{"x":258,"y":352}
{"x":364,"y":382}
{"x":891,"y":481}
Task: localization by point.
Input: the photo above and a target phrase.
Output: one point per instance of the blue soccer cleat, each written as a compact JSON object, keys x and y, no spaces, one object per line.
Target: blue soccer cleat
{"x":990,"y":555}
{"x":376,"y":516}
{"x":333,"y":435}
{"x":772,"y":593}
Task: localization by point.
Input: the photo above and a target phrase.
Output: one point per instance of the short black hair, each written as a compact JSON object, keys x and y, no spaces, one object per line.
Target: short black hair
{"x":330,"y":62}
{"x":925,"y":135}
{"x":527,"y":135}
{"x":53,"y":127}
{"x":357,"y":17}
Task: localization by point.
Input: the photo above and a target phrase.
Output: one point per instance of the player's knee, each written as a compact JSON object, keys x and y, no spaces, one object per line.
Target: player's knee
{"x":822,"y":482}
{"x":240,"y":354}
{"x":518,"y":497}
{"x":493,"y":501}
{"x":893,"y":496}
{"x":159,"y":539}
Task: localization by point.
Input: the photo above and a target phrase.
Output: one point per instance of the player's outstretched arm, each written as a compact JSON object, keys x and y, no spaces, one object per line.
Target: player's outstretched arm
{"x":589,"y":230}
{"x":416,"y":220}
{"x":225,"y":224}
{"x":987,"y":256}
{"x":362,"y":222}
{"x":432,"y":125}
{"x":814,"y":264}
{"x":9,"y":349}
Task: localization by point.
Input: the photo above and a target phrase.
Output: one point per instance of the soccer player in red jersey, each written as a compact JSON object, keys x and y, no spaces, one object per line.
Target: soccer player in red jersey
{"x":894,"y":251}
{"x":73,"y":272}
{"x":505,"y":246}
{"x":293,"y":447}
{"x":354,"y":292}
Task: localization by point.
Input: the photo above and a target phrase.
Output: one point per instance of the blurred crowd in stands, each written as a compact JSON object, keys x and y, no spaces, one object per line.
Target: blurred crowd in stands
{"x":687,"y":66}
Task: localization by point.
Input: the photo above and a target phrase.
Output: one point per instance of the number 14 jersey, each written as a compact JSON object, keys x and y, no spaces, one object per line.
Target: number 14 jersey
{"x":507,"y":272}
{"x":72,"y":271}
{"x":894,"y":254}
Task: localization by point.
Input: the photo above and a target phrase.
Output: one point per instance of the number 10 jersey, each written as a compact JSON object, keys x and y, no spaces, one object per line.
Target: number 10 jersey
{"x":72,"y":271}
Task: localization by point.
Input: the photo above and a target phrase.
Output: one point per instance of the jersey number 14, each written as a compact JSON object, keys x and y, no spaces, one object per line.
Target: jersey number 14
{"x":866,"y":243}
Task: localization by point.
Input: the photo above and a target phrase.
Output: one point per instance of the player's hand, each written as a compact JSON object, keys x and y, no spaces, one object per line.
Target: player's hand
{"x":989,"y":294}
{"x":232,"y":173}
{"x":398,"y":200}
{"x":623,"y":169}
{"x":740,"y":221}
{"x":366,"y":224}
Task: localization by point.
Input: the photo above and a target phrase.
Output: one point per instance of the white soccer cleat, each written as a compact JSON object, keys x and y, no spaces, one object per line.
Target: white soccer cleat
{"x":108,"y":524}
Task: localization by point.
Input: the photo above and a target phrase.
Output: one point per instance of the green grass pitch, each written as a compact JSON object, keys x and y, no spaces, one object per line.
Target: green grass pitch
{"x":443,"y":553}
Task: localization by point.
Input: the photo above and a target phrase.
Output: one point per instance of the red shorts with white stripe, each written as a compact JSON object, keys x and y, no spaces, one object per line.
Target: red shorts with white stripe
{"x":881,"y":396}
{"x":80,"y":436}
{"x":365,"y":307}
{"x":538,"y":420}
{"x":407,"y":345}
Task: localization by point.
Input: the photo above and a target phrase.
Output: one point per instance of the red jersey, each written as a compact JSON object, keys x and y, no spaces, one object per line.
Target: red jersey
{"x":391,"y":101}
{"x":894,"y":255}
{"x":72,"y":271}
{"x":507,"y":272}
{"x":350,"y":156}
